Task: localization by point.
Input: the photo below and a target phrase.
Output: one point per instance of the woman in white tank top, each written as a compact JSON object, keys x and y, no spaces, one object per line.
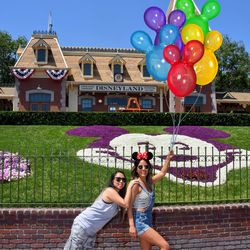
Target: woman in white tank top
{"x":105,"y":207}
{"x":142,"y":201}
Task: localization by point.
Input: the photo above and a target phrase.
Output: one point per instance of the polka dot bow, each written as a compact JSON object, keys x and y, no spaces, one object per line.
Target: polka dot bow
{"x":141,"y":156}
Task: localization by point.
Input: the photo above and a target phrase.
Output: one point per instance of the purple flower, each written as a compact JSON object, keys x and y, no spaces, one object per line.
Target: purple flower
{"x":104,"y":134}
{"x":13,"y":167}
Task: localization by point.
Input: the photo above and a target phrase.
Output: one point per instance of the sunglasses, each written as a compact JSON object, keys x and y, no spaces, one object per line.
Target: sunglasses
{"x":119,"y":179}
{"x":141,"y":167}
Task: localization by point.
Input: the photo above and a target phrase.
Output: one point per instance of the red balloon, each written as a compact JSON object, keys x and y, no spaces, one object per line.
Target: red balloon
{"x":172,"y":54}
{"x":193,"y":52}
{"x":181,"y":79}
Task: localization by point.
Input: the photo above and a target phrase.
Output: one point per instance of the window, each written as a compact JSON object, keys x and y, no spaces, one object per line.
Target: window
{"x":41,"y":49}
{"x":87,"y":69}
{"x":39,"y":97}
{"x":87,"y":63}
{"x":117,"y":66}
{"x":191,"y":108}
{"x":41,"y":55}
{"x":147,"y":103}
{"x":39,"y":107}
{"x":40,"y":101}
{"x":145,"y":71}
{"x":193,"y":100}
{"x":87,"y":104}
{"x":117,"y":101}
{"x":117,"y":69}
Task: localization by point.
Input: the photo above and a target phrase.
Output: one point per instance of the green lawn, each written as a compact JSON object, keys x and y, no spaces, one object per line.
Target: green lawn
{"x":59,"y":178}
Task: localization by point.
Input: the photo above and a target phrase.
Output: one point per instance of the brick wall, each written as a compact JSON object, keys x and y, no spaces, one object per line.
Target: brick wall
{"x":185,"y":227}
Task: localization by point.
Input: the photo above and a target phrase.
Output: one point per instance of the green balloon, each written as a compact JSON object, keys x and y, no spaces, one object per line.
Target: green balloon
{"x":210,"y":10}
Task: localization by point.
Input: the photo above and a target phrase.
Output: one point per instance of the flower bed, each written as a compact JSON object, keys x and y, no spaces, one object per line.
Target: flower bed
{"x":198,"y":157}
{"x":13,"y":167}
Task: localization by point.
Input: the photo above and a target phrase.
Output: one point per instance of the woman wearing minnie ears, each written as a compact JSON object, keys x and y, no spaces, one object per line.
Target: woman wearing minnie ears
{"x":142,"y":200}
{"x":105,"y":207}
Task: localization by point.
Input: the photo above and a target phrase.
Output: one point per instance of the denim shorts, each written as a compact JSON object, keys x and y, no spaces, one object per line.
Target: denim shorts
{"x":143,"y":221}
{"x":79,"y":240}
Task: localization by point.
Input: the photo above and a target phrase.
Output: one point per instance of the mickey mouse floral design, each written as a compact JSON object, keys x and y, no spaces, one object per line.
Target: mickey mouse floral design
{"x":198,"y":157}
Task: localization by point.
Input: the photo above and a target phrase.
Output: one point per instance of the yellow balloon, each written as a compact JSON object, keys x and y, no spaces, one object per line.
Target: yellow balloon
{"x":206,"y":69}
{"x":192,"y":32}
{"x":213,"y":40}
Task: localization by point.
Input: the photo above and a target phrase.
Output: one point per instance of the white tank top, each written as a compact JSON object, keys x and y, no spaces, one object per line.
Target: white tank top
{"x":142,"y":199}
{"x":93,"y":218}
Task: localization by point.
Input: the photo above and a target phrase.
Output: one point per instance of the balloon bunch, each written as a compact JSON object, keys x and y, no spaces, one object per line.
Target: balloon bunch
{"x":183,"y":49}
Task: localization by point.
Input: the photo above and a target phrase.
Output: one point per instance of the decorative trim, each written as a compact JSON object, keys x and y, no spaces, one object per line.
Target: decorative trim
{"x":23,"y":74}
{"x":56,"y":75}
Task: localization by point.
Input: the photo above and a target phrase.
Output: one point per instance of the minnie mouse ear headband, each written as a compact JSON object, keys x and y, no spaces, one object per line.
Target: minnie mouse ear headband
{"x":142,"y":156}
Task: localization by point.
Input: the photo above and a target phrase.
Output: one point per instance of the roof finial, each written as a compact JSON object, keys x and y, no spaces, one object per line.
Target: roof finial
{"x":50,"y":23}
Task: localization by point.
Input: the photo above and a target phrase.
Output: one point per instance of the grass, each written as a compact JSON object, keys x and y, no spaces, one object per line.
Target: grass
{"x":59,"y":178}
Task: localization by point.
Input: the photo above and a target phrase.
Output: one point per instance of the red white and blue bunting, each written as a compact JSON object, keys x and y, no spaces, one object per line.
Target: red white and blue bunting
{"x":22,"y":74}
{"x":57,"y":74}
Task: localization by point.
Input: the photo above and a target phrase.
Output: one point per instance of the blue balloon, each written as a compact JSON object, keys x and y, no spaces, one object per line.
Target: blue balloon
{"x":156,"y":65}
{"x":168,"y":34}
{"x":141,"y":41}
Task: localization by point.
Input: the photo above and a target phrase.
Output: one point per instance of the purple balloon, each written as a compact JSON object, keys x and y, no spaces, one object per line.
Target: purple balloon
{"x":157,"y":38}
{"x":154,"y":18}
{"x":179,"y":43}
{"x":177,"y":18}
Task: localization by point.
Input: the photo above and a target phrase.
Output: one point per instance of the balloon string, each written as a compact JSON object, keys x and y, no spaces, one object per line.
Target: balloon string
{"x":171,"y":144}
{"x":176,"y":128}
{"x":193,"y":104}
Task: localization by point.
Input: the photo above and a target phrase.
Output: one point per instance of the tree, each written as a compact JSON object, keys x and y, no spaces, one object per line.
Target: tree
{"x":8,"y":56}
{"x":234,"y":67}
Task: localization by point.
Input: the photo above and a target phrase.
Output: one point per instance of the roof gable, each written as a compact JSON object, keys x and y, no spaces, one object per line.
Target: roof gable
{"x":40,"y":43}
{"x":87,"y":58}
{"x":28,"y":57}
{"x":117,"y":59}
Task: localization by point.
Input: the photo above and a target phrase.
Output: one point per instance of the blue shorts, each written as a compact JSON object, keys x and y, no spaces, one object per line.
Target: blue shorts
{"x":143,"y":221}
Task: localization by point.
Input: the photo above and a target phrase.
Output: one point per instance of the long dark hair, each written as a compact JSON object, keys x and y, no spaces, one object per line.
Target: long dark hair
{"x":122,"y":192}
{"x":146,"y":156}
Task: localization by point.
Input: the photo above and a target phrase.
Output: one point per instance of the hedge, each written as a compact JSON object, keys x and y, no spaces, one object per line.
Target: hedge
{"x":121,"y":119}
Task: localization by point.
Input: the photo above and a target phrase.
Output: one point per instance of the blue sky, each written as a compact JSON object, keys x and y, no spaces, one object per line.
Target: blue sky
{"x":110,"y":23}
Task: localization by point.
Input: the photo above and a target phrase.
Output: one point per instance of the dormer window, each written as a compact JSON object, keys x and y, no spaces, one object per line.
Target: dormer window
{"x":117,"y":67}
{"x":41,"y":55}
{"x":87,"y":69}
{"x":42,"y":50}
{"x":145,"y":73}
{"x":143,"y":69}
{"x":87,"y":63}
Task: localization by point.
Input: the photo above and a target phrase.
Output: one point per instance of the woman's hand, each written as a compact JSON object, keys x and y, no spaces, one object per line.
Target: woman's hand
{"x":132,"y":183}
{"x":132,"y":232}
{"x":170,"y":155}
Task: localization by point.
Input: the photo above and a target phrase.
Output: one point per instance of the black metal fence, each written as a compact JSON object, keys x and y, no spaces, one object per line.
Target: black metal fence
{"x":64,"y":179}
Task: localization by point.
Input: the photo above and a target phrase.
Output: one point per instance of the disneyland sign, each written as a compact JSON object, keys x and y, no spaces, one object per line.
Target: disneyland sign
{"x":118,"y":88}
